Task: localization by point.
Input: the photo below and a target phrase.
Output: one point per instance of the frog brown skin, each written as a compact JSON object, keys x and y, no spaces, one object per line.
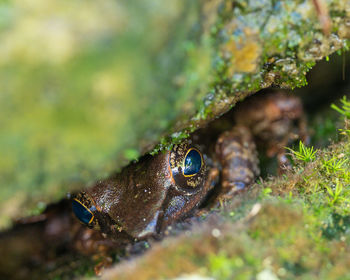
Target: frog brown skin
{"x":148,"y":196}
{"x":274,"y":119}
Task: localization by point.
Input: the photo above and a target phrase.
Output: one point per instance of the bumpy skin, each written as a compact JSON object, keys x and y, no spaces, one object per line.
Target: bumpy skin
{"x":274,"y":119}
{"x":237,"y":155}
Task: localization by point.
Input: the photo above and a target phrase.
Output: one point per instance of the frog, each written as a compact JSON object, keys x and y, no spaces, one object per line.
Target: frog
{"x":150,"y":195}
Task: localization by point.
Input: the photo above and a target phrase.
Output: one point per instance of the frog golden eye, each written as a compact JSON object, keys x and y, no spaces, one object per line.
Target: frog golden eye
{"x":84,"y":214}
{"x":192,"y":163}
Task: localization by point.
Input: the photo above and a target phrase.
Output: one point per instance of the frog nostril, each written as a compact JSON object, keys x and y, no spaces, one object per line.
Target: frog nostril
{"x":193,"y":162}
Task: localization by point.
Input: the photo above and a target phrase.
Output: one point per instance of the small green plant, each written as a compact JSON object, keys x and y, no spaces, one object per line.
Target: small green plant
{"x":333,"y":165}
{"x":345,"y":110}
{"x":266,"y":191}
{"x":335,"y":194}
{"x":305,"y":154}
{"x":344,"y":131}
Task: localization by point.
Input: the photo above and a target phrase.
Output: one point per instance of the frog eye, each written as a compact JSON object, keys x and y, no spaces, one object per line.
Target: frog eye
{"x":192,"y":163}
{"x":83,"y":213}
{"x":187,"y":168}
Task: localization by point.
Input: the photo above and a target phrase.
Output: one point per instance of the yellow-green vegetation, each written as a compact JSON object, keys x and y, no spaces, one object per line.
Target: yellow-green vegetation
{"x":293,"y":227}
{"x":305,"y":154}
{"x":86,"y":86}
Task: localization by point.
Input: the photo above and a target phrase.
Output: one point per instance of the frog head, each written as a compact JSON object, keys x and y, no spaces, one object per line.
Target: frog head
{"x":147,"y":196}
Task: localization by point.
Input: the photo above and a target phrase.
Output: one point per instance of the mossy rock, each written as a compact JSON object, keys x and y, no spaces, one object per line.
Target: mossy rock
{"x":86,"y":87}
